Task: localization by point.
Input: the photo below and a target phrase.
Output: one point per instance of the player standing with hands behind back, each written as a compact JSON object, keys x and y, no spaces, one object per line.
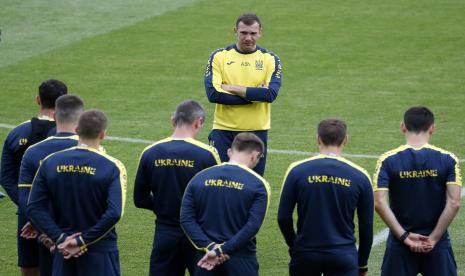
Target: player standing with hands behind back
{"x":243,"y":80}
{"x":423,"y":183}
{"x":224,"y":207}
{"x":87,"y":191}
{"x":68,"y":108}
{"x":165,"y":169}
{"x":16,"y":143}
{"x":327,"y":189}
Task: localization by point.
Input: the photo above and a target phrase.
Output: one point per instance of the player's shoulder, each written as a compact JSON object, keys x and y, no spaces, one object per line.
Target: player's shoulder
{"x":194,"y":145}
{"x":23,"y":128}
{"x":202,"y":146}
{"x":252,"y":174}
{"x":267,"y":52}
{"x":302,"y":164}
{"x":103,"y":155}
{"x":36,"y":147}
{"x":220,"y":51}
{"x":55,"y":157}
{"x":50,"y":142}
{"x":24,"y":125}
{"x":354,"y":166}
{"x":93,"y":155}
{"x":393,"y":152}
{"x":441,"y":151}
{"x":207,"y":172}
{"x":155,"y":145}
{"x":18,"y":136}
{"x":199,"y":177}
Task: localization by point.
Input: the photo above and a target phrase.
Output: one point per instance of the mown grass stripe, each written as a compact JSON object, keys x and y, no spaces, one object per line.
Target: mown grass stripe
{"x":27,"y":31}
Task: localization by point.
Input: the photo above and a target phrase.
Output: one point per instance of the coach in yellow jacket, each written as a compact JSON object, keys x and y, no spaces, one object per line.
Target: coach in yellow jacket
{"x":243,"y":80}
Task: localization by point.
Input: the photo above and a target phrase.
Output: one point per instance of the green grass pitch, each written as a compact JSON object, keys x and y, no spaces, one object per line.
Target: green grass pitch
{"x":363,"y":61}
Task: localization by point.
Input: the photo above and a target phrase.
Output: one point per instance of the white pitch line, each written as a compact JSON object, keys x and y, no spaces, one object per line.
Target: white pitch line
{"x":272,"y":151}
{"x":129,"y":140}
{"x":6,"y":126}
{"x":382,"y":235}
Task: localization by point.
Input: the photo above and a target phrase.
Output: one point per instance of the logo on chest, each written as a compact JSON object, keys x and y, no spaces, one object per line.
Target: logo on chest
{"x":258,"y":64}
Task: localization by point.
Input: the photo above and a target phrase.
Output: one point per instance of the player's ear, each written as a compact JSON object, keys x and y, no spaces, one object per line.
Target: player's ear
{"x":346,"y":140}
{"x":103,"y":134}
{"x":403,"y":128}
{"x":254,"y":159}
{"x":38,"y":100}
{"x":198,"y":123}
{"x":431,"y":129}
{"x":173,"y":122}
{"x":258,"y":155}
{"x":229,"y":153}
{"x":54,"y":116}
{"x":318,"y":140}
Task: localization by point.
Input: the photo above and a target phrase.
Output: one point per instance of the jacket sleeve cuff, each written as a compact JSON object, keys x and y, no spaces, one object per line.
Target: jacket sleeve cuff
{"x":210,"y":246}
{"x":218,"y":251}
{"x":256,"y":94}
{"x":61,"y":238}
{"x":80,"y":242}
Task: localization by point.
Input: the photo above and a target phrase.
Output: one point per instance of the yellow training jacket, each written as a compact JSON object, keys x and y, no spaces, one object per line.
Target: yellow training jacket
{"x":230,"y":66}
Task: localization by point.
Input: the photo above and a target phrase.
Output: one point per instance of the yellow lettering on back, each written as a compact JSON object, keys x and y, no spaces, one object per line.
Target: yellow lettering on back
{"x":418,"y":174}
{"x":76,"y":169}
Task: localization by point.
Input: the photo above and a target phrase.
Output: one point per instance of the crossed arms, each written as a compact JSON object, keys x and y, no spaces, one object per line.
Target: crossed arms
{"x":230,"y":94}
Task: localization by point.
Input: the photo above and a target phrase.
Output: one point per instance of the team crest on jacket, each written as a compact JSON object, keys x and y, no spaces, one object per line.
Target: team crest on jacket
{"x":259,"y":65}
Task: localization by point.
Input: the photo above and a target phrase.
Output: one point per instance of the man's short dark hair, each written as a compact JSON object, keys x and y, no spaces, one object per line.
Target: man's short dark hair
{"x":246,"y":141}
{"x":187,"y":112}
{"x":49,"y":91}
{"x":68,"y":108}
{"x":332,"y":132}
{"x":91,"y":124}
{"x":418,"y":119}
{"x":248,"y":19}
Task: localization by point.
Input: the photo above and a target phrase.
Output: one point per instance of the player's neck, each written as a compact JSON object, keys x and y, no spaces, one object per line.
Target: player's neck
{"x":68,"y":128}
{"x":417,"y":140}
{"x":245,"y":51}
{"x":91,"y":143}
{"x":46,"y":112}
{"x":184,"y":132}
{"x":241,"y":158}
{"x":331,"y":150}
